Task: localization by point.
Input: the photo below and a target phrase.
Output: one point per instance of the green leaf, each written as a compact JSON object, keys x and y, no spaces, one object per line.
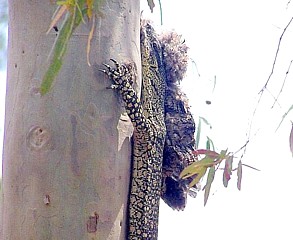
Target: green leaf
{"x":206,"y":122}
{"x":60,"y":47}
{"x":196,"y":167}
{"x":239,"y":175}
{"x":151,"y":4}
{"x":200,"y":173}
{"x":198,"y":133}
{"x":210,"y":144}
{"x":50,"y":75}
{"x":223,"y":154}
{"x":208,"y":185}
{"x":227,"y":170}
{"x":161,"y":12}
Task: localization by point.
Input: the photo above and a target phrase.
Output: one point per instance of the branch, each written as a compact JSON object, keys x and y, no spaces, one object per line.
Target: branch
{"x":270,"y":75}
{"x":243,"y":164}
{"x":276,"y":55}
{"x":276,"y":99}
{"x":243,"y":147}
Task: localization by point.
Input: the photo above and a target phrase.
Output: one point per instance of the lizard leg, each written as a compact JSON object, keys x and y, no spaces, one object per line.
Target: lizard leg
{"x":123,"y":76}
{"x":147,"y":157}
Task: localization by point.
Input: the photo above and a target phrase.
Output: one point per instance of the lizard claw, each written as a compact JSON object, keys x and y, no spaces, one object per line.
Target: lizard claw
{"x":120,"y":74}
{"x":103,"y":70}
{"x":113,"y":86}
{"x":113,"y":60}
{"x":107,"y":71}
{"x":107,"y":66}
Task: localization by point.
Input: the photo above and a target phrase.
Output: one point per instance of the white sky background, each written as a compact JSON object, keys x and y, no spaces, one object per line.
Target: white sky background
{"x":235,"y":41}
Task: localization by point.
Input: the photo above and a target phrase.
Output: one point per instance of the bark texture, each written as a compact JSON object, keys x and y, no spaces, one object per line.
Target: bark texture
{"x":66,"y":164}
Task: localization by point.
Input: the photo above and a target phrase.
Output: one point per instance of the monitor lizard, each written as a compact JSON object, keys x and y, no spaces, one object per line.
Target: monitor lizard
{"x":161,"y":103}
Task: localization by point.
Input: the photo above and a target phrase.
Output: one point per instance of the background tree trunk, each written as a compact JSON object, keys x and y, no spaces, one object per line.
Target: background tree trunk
{"x":66,"y":166}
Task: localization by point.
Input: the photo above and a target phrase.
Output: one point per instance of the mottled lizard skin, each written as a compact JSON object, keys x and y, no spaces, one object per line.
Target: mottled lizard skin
{"x":147,"y":116}
{"x":163,"y":138}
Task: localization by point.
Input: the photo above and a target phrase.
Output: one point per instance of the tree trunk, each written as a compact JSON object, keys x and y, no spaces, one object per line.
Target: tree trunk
{"x":66,"y":164}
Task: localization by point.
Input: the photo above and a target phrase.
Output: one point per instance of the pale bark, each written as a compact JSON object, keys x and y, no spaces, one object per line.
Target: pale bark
{"x":64,"y":174}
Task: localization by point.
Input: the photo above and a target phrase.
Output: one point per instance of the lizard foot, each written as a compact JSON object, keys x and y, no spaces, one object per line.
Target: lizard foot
{"x":123,"y":75}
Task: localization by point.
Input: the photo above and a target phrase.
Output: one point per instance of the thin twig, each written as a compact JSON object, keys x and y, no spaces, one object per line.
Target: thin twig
{"x":244,"y":146}
{"x":272,"y":95}
{"x":288,"y":4}
{"x":276,"y":56}
{"x":243,"y":164}
{"x":276,"y":99}
{"x":250,"y":167}
{"x":253,"y":115}
{"x":265,"y":86}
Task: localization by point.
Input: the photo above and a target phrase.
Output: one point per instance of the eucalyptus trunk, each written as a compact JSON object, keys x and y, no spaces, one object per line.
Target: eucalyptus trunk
{"x":66,"y":162}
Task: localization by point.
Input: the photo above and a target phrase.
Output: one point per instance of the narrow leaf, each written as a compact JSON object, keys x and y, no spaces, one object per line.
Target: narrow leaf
{"x":208,"y":185}
{"x":223,"y":154}
{"x":151,"y":4}
{"x":239,"y":175}
{"x":59,"y":51}
{"x":60,"y":47}
{"x":201,"y":172}
{"x":161,"y":11}
{"x":196,"y":167}
{"x":206,"y":122}
{"x":227,"y":170}
{"x":198,"y":133}
{"x":291,"y":140}
{"x":78,"y":4}
{"x":50,"y":75}
{"x":211,"y":143}
{"x":208,"y":145}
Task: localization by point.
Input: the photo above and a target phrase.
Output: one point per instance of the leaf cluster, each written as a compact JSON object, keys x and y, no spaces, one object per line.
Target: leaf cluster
{"x":209,"y":162}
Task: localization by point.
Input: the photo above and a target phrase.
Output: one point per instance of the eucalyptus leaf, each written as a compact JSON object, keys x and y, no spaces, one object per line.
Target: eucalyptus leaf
{"x":227,"y":170}
{"x":198,"y":133}
{"x":208,"y":185}
{"x":291,"y":140}
{"x":196,"y":167}
{"x":60,"y":47}
{"x":239,"y":175}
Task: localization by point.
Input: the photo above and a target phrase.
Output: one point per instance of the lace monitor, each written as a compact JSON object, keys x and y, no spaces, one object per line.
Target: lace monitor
{"x":163,"y":129}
